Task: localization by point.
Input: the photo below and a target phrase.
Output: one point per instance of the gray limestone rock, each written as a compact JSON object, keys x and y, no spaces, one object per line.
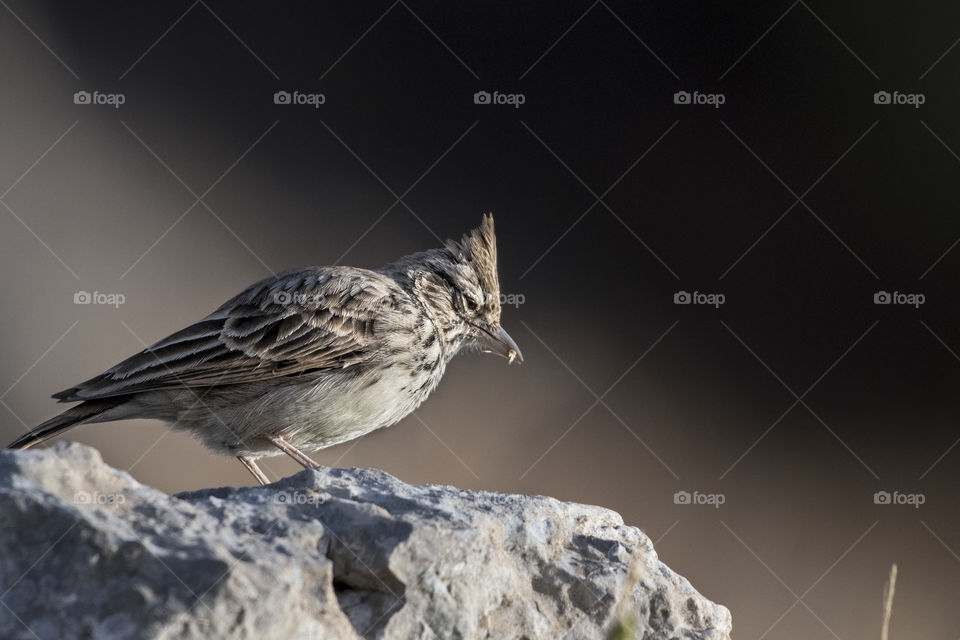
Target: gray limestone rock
{"x":88,"y":552}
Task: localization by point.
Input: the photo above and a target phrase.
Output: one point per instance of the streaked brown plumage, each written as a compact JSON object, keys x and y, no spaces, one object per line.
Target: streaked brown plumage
{"x":307,"y":358}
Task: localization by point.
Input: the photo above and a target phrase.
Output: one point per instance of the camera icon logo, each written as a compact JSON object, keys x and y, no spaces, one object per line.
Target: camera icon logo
{"x":283,"y":297}
{"x":882,"y":297}
{"x":881,"y":97}
{"x":81,"y":97}
{"x":81,"y":497}
{"x":682,"y":297}
{"x":482,"y":97}
{"x":82,"y":297}
{"x":681,"y":497}
{"x":681,"y":97}
{"x":281,"y":97}
{"x":882,"y":497}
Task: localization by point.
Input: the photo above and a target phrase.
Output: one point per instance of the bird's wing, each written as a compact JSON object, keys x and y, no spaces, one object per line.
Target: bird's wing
{"x":314,"y":319}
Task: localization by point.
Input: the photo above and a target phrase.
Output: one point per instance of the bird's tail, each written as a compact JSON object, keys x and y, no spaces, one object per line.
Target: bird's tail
{"x":83,"y":413}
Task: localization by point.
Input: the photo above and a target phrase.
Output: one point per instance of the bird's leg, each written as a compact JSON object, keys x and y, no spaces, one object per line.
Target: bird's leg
{"x":293,"y":452}
{"x":252,"y":467}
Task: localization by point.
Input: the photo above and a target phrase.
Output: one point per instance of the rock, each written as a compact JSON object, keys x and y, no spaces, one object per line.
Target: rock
{"x":87,"y":552}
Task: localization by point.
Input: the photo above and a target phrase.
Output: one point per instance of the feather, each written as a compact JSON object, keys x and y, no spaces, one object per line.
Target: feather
{"x":324,"y":322}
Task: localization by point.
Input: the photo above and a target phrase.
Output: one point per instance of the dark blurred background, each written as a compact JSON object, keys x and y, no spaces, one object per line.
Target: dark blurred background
{"x":798,"y":198}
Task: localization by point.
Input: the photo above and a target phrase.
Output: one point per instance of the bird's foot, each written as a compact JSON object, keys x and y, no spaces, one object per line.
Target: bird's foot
{"x":252,"y":467}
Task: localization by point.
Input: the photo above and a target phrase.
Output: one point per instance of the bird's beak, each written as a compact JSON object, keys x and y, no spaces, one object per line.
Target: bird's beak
{"x":499,"y":342}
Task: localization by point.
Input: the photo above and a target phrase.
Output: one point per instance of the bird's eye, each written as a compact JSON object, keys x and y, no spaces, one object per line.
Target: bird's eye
{"x":470,"y":303}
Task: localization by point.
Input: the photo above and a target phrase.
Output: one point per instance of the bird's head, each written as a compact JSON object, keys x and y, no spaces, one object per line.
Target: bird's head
{"x":459,"y":285}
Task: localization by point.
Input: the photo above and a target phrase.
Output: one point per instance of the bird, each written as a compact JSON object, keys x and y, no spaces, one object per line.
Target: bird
{"x":307,"y":358}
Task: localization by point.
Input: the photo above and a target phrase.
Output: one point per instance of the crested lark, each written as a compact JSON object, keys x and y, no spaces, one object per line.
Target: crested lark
{"x":308,"y":358}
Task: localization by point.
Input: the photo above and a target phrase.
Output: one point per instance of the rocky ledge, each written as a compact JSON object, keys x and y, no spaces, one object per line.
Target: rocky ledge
{"x":88,"y":552}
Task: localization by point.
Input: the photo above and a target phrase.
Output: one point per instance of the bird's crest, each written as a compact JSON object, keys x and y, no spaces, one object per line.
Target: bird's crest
{"x":479,"y":249}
